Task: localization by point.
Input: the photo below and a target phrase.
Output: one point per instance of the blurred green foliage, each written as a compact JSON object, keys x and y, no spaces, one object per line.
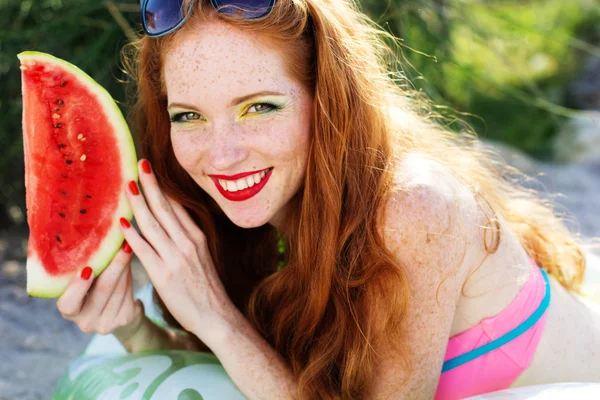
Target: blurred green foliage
{"x":505,"y":64}
{"x":502,"y":65}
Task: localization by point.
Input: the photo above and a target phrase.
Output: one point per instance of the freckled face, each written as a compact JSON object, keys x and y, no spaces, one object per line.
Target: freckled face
{"x":217,"y":130}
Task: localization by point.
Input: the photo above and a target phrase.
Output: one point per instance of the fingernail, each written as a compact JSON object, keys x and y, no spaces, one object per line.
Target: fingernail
{"x":126,"y":246}
{"x":125,"y":223}
{"x":86,"y":273}
{"x":146,"y":166}
{"x":133,"y":188}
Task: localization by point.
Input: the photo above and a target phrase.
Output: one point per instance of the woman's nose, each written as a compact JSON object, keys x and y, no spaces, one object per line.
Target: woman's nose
{"x":227,"y":148}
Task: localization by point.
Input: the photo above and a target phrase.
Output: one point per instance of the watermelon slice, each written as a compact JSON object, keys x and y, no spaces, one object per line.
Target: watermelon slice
{"x":79,"y":155}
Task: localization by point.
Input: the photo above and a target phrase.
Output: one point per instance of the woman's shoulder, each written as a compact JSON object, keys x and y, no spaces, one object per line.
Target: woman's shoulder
{"x":432,"y":218}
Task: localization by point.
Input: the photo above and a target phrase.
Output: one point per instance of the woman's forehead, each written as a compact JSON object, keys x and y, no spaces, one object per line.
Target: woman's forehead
{"x":217,"y":56}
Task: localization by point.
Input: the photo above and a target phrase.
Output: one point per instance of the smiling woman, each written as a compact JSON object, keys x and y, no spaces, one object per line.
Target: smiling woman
{"x":413,"y":262}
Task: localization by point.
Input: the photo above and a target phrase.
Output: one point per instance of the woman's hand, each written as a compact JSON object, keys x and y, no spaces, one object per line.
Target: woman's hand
{"x":106,"y":304}
{"x":174,"y":252}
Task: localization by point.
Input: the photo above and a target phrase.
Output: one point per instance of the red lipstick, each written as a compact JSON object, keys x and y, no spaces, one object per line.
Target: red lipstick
{"x":243,"y":194}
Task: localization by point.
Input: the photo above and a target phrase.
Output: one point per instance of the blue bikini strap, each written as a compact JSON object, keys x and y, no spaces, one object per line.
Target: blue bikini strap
{"x":507,"y":337}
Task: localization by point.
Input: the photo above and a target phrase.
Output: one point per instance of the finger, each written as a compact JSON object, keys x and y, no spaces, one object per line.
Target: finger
{"x":150,"y":227}
{"x":69,"y":304}
{"x":192,"y":229}
{"x":106,"y":283}
{"x":149,"y":259}
{"x":159,"y":205}
{"x":122,"y":294}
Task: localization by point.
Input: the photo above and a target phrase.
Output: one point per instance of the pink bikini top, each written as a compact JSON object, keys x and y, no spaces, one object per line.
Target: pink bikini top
{"x":491,"y":355}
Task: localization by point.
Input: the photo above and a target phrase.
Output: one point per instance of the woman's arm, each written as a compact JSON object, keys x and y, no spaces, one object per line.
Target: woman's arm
{"x":250,"y":361}
{"x":147,"y":336}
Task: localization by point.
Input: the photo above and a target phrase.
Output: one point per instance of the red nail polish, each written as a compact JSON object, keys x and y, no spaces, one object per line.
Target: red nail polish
{"x":146,"y":166}
{"x":124,"y":223}
{"x":86,"y":273}
{"x":134,"y":188}
{"x":127,"y":247}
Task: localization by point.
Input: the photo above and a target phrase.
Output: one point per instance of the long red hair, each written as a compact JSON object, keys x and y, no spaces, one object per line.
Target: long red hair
{"x":341,"y":290}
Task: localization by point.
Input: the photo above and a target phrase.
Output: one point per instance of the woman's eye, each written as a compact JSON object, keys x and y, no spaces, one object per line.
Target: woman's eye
{"x":261,"y":107}
{"x":184,"y":117}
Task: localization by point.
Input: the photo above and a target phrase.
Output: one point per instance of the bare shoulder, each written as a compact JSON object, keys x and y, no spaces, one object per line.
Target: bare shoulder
{"x":433,"y":219}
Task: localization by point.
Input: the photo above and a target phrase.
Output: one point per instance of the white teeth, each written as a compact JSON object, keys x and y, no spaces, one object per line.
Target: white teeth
{"x":243,"y":183}
{"x":231,"y":186}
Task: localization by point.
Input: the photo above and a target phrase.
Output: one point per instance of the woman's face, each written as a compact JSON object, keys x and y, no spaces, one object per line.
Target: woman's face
{"x":235,"y":110}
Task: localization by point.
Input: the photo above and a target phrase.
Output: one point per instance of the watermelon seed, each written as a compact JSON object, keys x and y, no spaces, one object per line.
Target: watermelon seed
{"x":58,"y":125}
{"x":61,"y":146}
{"x":80,"y":136}
{"x":55,"y":116}
{"x":69,"y":161}
{"x":58,"y":238}
{"x":60,"y":102}
{"x":63,"y":84}
{"x":82,"y":211}
{"x":61,"y":215}
{"x":63,"y":192}
{"x":63,"y":175}
{"x":82,"y":158}
{"x":88,"y":196}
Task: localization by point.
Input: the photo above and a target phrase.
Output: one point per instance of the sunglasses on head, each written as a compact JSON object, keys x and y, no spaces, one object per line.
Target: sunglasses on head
{"x":160,"y":17}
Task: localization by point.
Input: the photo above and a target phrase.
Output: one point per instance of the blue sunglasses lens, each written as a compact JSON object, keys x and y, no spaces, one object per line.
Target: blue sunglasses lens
{"x":246,"y":9}
{"x":161,"y":16}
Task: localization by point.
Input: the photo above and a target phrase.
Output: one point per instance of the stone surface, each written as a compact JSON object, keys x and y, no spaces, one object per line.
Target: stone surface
{"x":579,"y":139}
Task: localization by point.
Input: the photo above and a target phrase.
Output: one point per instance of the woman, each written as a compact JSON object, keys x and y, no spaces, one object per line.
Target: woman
{"x":408,"y":252}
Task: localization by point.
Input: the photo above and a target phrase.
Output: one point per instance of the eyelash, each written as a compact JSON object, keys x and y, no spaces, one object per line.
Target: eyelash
{"x":177,"y":117}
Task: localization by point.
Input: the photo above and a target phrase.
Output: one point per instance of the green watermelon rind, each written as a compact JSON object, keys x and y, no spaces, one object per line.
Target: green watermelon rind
{"x":40,"y":283}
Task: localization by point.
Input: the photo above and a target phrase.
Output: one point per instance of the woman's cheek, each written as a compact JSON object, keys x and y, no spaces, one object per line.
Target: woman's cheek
{"x":184,"y":152}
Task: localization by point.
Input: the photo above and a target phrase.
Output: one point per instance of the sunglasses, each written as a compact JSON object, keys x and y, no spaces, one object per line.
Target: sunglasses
{"x":161,"y":17}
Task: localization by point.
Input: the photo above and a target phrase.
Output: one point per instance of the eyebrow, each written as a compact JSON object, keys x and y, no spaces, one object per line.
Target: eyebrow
{"x":235,"y":101}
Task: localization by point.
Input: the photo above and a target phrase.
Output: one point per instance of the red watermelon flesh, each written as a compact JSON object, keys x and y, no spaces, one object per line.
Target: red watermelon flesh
{"x":79,"y":155}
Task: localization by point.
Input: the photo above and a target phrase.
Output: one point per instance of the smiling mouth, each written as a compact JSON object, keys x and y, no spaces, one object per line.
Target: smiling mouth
{"x":242,"y":183}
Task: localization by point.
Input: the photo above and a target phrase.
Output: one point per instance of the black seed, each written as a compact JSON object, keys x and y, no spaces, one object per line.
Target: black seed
{"x":58,"y":125}
{"x":63,"y":175}
{"x":82,"y":211}
{"x":61,"y":146}
{"x":63,"y":84}
{"x":60,"y":102}
{"x":69,"y":162}
{"x":58,"y":238}
{"x":61,"y":215}
{"x":63,"y":192}
{"x":88,"y":196}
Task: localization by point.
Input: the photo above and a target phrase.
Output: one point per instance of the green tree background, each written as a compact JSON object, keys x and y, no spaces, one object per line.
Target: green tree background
{"x":502,"y":66}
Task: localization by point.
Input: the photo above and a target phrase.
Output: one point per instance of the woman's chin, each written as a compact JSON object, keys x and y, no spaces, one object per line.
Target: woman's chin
{"x":248,"y":221}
